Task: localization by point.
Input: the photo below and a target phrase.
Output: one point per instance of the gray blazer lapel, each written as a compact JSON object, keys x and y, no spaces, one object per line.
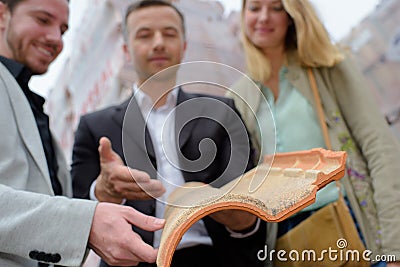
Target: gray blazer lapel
{"x":26,"y":123}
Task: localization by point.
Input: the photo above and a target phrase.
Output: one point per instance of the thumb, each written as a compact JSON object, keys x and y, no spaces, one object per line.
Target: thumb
{"x":105,"y":150}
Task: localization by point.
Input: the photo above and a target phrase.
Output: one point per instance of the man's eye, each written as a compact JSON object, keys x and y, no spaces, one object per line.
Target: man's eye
{"x":42,"y":20}
{"x":143,"y":36}
{"x":170,"y":34}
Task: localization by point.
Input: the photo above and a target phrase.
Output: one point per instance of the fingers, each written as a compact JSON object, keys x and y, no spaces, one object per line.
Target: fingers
{"x":154,"y":188}
{"x":143,"y":195}
{"x":151,"y":187}
{"x":139,"y":176}
{"x":120,"y":185}
{"x":142,"y":251}
{"x":143,"y":221}
{"x":117,"y":182}
{"x":112,"y":238}
{"x":142,"y":187}
{"x":136,"y":251}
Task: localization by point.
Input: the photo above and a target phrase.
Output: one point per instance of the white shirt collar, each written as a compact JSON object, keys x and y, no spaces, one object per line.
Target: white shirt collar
{"x":146,"y":103}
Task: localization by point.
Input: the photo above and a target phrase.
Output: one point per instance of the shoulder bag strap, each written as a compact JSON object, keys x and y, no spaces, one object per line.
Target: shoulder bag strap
{"x":320,"y":113}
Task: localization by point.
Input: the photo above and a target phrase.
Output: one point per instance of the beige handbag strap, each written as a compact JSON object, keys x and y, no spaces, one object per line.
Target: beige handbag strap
{"x":320,"y":112}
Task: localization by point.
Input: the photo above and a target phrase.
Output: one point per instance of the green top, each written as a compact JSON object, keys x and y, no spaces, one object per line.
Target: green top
{"x":296,"y":126}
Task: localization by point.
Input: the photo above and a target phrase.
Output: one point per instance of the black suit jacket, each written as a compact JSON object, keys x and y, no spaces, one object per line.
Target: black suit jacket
{"x":199,"y":119}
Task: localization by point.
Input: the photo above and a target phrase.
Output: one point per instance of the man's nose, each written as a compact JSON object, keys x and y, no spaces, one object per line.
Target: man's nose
{"x":159,"y":41}
{"x":54,"y":37}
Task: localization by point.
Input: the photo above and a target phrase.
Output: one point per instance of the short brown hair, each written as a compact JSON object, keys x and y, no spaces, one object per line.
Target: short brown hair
{"x":149,"y":3}
{"x":11,"y":4}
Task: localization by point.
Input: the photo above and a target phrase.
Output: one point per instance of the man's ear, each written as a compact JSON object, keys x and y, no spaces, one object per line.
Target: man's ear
{"x":184,"y":45}
{"x":126,"y":52}
{"x":183,"y":52}
{"x":4,"y":15}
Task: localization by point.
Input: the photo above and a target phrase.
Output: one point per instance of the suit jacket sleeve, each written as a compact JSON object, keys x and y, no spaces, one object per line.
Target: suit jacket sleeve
{"x":85,"y":160}
{"x":32,"y":223}
{"x":378,"y":146}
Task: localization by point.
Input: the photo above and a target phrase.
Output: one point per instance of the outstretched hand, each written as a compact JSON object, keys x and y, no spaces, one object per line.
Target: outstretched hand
{"x":112,"y":238}
{"x":117,"y":181}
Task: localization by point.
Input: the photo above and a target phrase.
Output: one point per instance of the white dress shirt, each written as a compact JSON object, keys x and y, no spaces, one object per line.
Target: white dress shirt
{"x":161,"y":125}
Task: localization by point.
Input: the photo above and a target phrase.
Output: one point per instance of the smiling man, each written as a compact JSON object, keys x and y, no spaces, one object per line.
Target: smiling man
{"x":32,"y":34}
{"x":38,"y":225}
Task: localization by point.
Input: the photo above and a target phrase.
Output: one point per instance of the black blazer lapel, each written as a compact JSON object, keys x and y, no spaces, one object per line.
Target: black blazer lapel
{"x":129,"y":116}
{"x":187,"y":110}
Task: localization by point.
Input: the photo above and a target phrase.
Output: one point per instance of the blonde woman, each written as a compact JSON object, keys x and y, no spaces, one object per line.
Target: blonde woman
{"x":281,"y":40}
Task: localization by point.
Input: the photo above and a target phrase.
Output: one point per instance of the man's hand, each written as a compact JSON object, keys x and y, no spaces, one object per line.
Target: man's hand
{"x":112,"y":238}
{"x":235,"y":220}
{"x":393,"y":264}
{"x":117,"y":181}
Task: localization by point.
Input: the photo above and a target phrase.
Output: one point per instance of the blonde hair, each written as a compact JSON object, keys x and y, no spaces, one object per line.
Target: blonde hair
{"x":306,"y":35}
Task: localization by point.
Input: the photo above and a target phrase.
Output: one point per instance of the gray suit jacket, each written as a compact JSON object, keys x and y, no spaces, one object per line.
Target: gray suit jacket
{"x":34,"y":226}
